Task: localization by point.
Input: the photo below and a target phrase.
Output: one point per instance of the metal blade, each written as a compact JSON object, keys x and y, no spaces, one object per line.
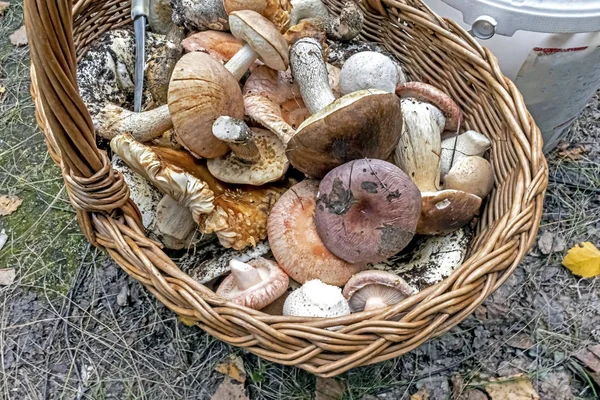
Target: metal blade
{"x":139,"y":25}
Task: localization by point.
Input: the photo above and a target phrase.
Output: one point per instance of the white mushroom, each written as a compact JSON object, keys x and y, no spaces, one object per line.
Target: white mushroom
{"x":369,"y":70}
{"x":316,"y":299}
{"x":470,"y":143}
{"x":471,"y":174}
{"x":175,"y":226}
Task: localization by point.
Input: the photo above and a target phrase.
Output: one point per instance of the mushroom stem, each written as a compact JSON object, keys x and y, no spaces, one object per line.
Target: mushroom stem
{"x":374,"y":303}
{"x":143,"y":126}
{"x":310,"y":72}
{"x":241,"y":61}
{"x":244,"y":275}
{"x":238,"y":136}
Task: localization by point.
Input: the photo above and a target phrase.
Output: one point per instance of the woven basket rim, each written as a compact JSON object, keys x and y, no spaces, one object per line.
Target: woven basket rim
{"x":113,"y":223}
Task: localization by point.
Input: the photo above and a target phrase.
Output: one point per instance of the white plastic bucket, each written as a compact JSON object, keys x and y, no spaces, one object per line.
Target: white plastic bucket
{"x":550,"y":49}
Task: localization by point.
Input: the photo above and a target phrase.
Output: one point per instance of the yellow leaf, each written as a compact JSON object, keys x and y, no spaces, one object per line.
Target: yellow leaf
{"x":187,"y":321}
{"x":516,"y":387}
{"x":583,"y":260}
{"x":234,"y":367}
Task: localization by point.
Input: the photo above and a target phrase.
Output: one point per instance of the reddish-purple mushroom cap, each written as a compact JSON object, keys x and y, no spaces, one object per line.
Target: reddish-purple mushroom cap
{"x":369,"y":290}
{"x":367,"y":210}
{"x":432,"y":95}
{"x":255,"y":284}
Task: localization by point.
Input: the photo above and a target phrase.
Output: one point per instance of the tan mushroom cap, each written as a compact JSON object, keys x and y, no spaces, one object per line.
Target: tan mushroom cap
{"x":366,"y":123}
{"x":258,"y":6}
{"x":471,"y":174}
{"x":271,"y":166}
{"x":373,"y":289}
{"x":295,"y":243}
{"x":446,"y":211}
{"x":200,"y":91}
{"x":430,"y":94}
{"x":220,"y":45}
{"x":264,"y":38}
{"x":255,"y":284}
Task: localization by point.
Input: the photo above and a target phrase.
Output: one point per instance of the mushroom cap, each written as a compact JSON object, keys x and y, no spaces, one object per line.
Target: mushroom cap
{"x":295,"y":243}
{"x":470,"y":143}
{"x":258,"y":6}
{"x":384,"y":287}
{"x":446,"y":211}
{"x":273,"y":284}
{"x":316,"y":299}
{"x":366,"y":123}
{"x":368,"y":70}
{"x":271,"y":166}
{"x":200,"y":91}
{"x":430,"y":94}
{"x":367,"y":210}
{"x":220,"y":45}
{"x":471,"y":174}
{"x":264,"y":38}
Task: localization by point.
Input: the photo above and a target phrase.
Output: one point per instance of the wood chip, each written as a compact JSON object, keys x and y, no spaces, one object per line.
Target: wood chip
{"x":517,"y":387}
{"x":422,"y":394}
{"x":230,"y":390}
{"x":590,"y":357}
{"x":19,"y":37}
{"x":233,"y":367}
{"x":7,"y":276}
{"x":3,"y":6}
{"x":329,"y":389}
{"x":520,"y":341}
{"x":574,"y":152}
{"x":9,"y":204}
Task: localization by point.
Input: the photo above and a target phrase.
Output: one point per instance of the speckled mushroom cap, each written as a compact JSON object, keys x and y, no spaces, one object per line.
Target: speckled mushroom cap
{"x":264,"y":38}
{"x":200,"y":91}
{"x":255,"y":284}
{"x":316,"y":299}
{"x":295,"y":243}
{"x":271,"y":166}
{"x":429,"y":94}
{"x":446,"y":210}
{"x":372,"y":289}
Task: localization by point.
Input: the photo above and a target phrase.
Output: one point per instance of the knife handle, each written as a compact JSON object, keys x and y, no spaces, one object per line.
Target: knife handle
{"x":139,"y":8}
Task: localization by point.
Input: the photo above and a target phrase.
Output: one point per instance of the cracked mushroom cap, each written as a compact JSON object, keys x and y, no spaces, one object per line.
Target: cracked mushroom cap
{"x":200,"y":91}
{"x":264,"y":38}
{"x":471,"y":174}
{"x":295,"y":243}
{"x":446,"y":211}
{"x":316,"y":299}
{"x":367,"y":210}
{"x":366,"y":123}
{"x":369,"y":290}
{"x":255,"y":284}
{"x":270,"y":167}
{"x":432,"y":95}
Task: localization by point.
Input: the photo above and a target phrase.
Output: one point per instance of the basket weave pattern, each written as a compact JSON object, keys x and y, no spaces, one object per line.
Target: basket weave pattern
{"x":432,"y":50}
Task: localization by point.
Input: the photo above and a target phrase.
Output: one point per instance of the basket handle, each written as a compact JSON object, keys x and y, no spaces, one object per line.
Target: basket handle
{"x":92,"y":184}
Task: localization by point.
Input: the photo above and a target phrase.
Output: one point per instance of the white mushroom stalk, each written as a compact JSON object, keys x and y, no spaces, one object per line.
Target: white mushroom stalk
{"x":418,"y":153}
{"x":145,"y":126}
{"x":241,"y":61}
{"x":238,"y":136}
{"x":310,"y":73}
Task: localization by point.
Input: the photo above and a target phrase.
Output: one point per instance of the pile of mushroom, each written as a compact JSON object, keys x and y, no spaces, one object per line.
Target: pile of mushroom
{"x":332,"y":187}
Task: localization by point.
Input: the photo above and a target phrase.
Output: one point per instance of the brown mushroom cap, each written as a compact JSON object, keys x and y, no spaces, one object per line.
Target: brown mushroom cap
{"x":366,"y":123}
{"x":372,"y":289}
{"x":295,"y":243}
{"x":255,"y":284}
{"x":264,"y":38}
{"x":271,"y":166}
{"x":446,"y":211}
{"x":201,"y":90}
{"x":471,"y":174}
{"x":367,"y":210}
{"x":258,"y":6}
{"x":429,"y":94}
{"x":220,"y":45}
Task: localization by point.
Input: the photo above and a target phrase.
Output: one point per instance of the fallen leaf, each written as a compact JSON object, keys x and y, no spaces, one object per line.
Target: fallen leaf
{"x":230,"y":390}
{"x":573,"y":152}
{"x":329,"y":389}
{"x":590,"y":357}
{"x":19,"y":37}
{"x":8,"y":204}
{"x":3,"y":6}
{"x":583,"y":260}
{"x":517,"y":387}
{"x":422,"y":394}
{"x":187,"y":321}
{"x":233,"y":367}
{"x":7,"y":276}
{"x":520,"y":341}
{"x":3,"y":238}
{"x":549,"y":243}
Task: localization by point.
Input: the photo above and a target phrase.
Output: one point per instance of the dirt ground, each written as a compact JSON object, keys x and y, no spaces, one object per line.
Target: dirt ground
{"x":74,"y":326}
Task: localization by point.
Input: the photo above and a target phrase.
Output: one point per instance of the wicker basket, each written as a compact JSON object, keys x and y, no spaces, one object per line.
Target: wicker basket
{"x":432,"y":50}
